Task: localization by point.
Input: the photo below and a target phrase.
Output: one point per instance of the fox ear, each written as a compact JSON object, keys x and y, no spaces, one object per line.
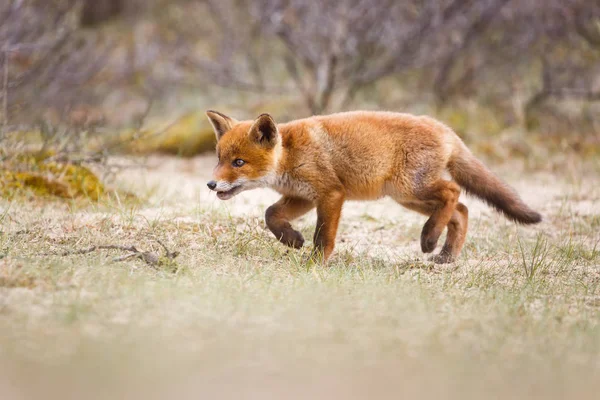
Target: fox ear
{"x":264,"y":130}
{"x":221,"y":123}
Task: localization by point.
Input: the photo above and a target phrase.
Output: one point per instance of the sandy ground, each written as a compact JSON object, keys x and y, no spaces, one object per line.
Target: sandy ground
{"x":249,"y":321}
{"x":380,"y":228}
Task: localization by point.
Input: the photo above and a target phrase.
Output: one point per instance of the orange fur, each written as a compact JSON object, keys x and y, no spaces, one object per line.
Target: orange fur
{"x":322,"y":161}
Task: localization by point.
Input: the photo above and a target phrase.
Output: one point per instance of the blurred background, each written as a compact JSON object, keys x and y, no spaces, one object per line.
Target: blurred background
{"x":523,"y":72}
{"x":93,"y":93}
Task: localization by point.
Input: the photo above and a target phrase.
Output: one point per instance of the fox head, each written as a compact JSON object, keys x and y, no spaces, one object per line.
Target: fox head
{"x":248,"y":153}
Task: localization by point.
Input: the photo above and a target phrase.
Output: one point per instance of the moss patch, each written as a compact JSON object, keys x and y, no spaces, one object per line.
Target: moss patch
{"x":36,"y":174}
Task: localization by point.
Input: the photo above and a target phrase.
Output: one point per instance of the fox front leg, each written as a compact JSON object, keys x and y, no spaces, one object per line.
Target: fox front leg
{"x":279,"y":215}
{"x":329,"y":210}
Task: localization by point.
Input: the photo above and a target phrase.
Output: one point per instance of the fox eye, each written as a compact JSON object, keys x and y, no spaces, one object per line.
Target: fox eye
{"x":238,"y":162}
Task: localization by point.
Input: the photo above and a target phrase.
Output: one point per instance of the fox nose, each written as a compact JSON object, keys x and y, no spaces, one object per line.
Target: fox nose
{"x":212,"y":185}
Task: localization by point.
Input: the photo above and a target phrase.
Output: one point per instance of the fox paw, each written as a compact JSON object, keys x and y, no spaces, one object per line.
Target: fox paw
{"x":292,"y":238}
{"x":443,"y":258}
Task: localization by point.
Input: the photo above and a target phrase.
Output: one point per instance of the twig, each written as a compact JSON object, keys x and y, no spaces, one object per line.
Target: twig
{"x":125,"y":257}
{"x":94,"y":248}
{"x":168,"y":254}
{"x":149,"y":257}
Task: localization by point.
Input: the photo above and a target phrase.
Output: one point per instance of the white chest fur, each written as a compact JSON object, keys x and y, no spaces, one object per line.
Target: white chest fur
{"x":288,"y":186}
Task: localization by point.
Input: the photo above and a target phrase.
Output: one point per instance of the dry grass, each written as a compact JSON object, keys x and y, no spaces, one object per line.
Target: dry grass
{"x":240,"y":316}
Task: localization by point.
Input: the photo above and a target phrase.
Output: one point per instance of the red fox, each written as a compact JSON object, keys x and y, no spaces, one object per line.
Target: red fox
{"x":323,"y":161}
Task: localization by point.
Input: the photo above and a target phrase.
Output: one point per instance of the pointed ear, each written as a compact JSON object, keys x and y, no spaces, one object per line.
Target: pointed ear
{"x":221,"y":123}
{"x":264,"y":130}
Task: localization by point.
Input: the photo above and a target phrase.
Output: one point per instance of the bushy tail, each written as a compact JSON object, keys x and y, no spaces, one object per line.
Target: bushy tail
{"x":476,"y":179}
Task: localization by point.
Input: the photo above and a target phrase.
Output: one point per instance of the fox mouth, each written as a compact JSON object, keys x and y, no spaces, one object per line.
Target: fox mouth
{"x":227,"y":194}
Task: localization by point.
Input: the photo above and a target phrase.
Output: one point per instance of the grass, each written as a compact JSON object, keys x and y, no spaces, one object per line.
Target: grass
{"x":518,"y":316}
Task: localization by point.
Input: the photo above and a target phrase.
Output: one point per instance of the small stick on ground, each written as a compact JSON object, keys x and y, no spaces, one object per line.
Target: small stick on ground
{"x":125,"y":257}
{"x":149,"y":257}
{"x":168,"y":254}
{"x":94,"y":248}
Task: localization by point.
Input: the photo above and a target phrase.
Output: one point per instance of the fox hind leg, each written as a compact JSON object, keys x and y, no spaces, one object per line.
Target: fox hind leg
{"x":439,"y":201}
{"x":442,"y":197}
{"x":457,"y":233}
{"x":279,"y":215}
